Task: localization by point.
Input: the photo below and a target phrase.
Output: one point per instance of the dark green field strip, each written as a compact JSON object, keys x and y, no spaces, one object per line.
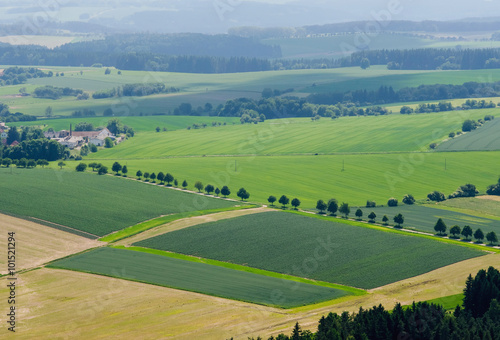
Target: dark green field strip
{"x":313,"y":248}
{"x":94,"y":204}
{"x":485,"y":138}
{"x":425,"y":217}
{"x":198,"y":277}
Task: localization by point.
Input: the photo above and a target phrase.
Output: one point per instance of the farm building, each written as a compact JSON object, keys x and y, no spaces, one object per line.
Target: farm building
{"x":72,"y":139}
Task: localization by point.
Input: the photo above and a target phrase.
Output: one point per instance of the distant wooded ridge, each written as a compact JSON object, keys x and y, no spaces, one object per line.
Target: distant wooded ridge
{"x":199,"y":53}
{"x":376,"y":25}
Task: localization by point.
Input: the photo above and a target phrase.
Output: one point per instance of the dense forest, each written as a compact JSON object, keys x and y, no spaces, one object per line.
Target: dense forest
{"x":479,"y":318}
{"x":428,"y":59}
{"x":385,"y":94}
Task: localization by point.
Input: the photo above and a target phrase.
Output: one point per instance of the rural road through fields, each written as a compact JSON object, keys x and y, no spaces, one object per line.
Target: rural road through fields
{"x":188,"y":222}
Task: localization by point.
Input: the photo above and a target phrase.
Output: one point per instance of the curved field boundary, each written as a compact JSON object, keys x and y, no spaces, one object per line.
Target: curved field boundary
{"x":171,"y":223}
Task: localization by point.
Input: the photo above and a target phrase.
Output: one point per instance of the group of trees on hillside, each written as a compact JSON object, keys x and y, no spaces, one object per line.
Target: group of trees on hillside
{"x":137,"y":90}
{"x":19,"y":75}
{"x":7,"y":116}
{"x":447,"y":106}
{"x":428,"y":58}
{"x":477,"y":318}
{"x":32,"y":145}
{"x":51,"y":92}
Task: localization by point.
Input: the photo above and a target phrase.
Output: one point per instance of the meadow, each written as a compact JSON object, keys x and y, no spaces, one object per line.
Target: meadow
{"x":300,"y":136}
{"x":424,"y":217}
{"x":481,"y":206}
{"x":317,"y":249}
{"x":198,"y":277}
{"x":199,"y":89}
{"x":352,"y":178}
{"x":96,"y":205}
{"x":485,"y":138}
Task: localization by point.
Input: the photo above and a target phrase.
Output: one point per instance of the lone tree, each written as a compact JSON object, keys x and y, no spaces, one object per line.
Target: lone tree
{"x":217,"y":191}
{"x":168,"y":178}
{"x":225,"y":191}
{"x":81,"y":167}
{"x":408,"y":199}
{"x":243,"y":194}
{"x":198,"y":185}
{"x":372,"y":216}
{"x":333,"y":206}
{"x":61,"y":164}
{"x":103,"y":170}
{"x":41,"y":162}
{"x":440,"y":227}
{"x":295,"y":203}
{"x":492,"y":237}
{"x":153,"y":177}
{"x":479,"y":235}
{"x":284,"y":201}
{"x":146,"y":176}
{"x":138,"y":174}
{"x":344,"y":209}
{"x":271,"y":199}
{"x":161,"y":177}
{"x":455,"y":230}
{"x":176,"y":183}
{"x":392,"y":202}
{"x":359,"y":213}
{"x":399,"y":220}
{"x":467,"y":232}
{"x":385,"y":219}
{"x":321,"y":206}
{"x":124,"y":171}
{"x":116,"y":167}
{"x":209,"y":188}
{"x":184,"y":184}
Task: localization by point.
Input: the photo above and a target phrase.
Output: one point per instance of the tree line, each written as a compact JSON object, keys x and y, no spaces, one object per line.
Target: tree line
{"x":477,"y":318}
{"x":428,"y":58}
{"x":137,"y":90}
{"x":386,"y":94}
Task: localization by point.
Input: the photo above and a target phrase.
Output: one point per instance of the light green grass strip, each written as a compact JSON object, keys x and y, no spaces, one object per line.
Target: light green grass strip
{"x":396,"y":231}
{"x":351,"y":290}
{"x":449,"y":302}
{"x":139,"y":228}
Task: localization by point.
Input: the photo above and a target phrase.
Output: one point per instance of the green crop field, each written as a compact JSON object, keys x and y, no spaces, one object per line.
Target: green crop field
{"x":487,"y":137}
{"x":198,"y":277}
{"x":140,"y":124}
{"x":425,"y":217}
{"x":473,"y":205}
{"x":341,"y":45}
{"x":199,"y":89}
{"x":94,"y":204}
{"x":365,"y":177}
{"x":373,"y":81}
{"x":308,"y":247}
{"x":301,"y":136}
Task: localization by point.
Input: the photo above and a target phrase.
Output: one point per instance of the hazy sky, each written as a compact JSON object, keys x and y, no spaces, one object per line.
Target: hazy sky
{"x":216,"y":16}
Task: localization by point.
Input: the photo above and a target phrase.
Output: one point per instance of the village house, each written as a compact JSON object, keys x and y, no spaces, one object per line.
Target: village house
{"x":3,"y":130}
{"x":73,"y":139}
